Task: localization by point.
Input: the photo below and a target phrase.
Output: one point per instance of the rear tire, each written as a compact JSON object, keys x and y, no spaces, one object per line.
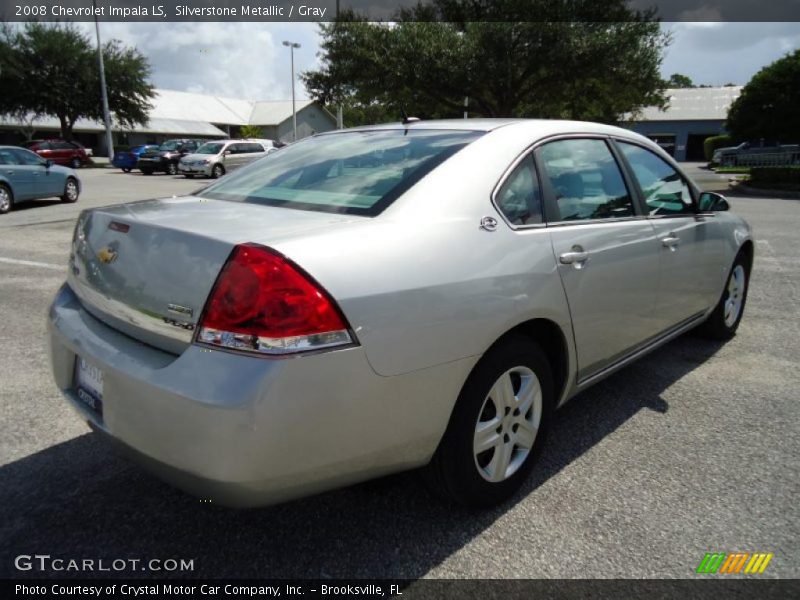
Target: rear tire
{"x":172,"y":168}
{"x":724,"y":320}
{"x":498,"y":426}
{"x":71,"y":192}
{"x":6,"y":199}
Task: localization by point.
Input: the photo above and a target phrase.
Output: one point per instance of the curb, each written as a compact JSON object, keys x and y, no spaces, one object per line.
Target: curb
{"x":764,"y":193}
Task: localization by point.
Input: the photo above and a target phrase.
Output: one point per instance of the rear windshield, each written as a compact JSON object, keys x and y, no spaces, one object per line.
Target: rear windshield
{"x":358,"y":172}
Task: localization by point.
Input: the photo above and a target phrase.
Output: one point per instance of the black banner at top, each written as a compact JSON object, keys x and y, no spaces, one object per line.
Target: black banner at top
{"x":387,"y":10}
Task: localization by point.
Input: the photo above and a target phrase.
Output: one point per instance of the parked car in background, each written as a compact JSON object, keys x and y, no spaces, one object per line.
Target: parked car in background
{"x":128,"y":159}
{"x":61,"y":152}
{"x":165,"y":158}
{"x":440,"y":287}
{"x":214,"y":159}
{"x":27,"y":176}
{"x":748,"y":154}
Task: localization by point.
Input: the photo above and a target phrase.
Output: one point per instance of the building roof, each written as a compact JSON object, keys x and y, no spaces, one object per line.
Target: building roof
{"x":188,"y":113}
{"x":692,"y":104}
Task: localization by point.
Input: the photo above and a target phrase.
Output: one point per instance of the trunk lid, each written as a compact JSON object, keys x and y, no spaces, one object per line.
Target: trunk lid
{"x":146,"y":268}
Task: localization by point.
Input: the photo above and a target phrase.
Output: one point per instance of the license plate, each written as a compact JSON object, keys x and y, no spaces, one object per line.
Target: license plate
{"x":89,"y":385}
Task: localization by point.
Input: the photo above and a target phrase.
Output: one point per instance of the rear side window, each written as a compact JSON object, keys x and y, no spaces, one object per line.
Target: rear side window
{"x":586,"y":180}
{"x":519,"y":198}
{"x":665,"y":191}
{"x":25,"y":157}
{"x":358,"y":172}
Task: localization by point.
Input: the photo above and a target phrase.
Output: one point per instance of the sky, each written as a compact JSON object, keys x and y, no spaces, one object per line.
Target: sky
{"x":248,"y":60}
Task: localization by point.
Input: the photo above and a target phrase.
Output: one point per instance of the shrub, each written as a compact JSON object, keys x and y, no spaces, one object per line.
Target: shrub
{"x":716,"y":141}
{"x":781,"y":176}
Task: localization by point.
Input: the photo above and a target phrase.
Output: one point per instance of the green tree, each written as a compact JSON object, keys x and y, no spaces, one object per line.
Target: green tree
{"x":591,"y":60}
{"x":768,"y":105}
{"x":250,"y":131}
{"x":52,"y":70}
{"x":678,"y":80}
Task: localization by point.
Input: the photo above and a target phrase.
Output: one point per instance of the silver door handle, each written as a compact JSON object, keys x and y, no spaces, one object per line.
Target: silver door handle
{"x":670,"y":241}
{"x":569,"y":258}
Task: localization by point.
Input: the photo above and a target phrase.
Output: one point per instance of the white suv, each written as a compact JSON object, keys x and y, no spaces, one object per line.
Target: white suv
{"x":214,"y":159}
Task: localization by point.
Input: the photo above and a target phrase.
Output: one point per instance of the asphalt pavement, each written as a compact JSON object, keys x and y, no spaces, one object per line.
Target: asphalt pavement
{"x":694,"y":449}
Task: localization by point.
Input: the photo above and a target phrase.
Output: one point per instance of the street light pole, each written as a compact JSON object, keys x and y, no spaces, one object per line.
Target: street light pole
{"x":103,"y":91}
{"x":292,"y":46}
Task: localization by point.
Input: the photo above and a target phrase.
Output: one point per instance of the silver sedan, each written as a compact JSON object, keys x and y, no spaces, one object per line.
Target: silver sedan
{"x":373,"y":300}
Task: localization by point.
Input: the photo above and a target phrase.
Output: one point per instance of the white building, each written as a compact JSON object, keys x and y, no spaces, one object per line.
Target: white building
{"x":184,"y":114}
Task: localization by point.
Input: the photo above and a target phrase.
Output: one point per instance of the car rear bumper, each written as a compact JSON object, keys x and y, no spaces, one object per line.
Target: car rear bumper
{"x":247,"y":431}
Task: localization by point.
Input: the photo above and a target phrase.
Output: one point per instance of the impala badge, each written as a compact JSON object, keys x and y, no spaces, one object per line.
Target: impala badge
{"x":107,"y":255}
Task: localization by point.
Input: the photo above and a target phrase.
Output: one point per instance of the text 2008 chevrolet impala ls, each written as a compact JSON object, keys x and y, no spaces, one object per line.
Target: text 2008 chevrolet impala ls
{"x":372,"y":300}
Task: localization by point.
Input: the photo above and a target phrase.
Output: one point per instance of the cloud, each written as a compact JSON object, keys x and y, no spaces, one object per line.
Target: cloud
{"x":727,"y":52}
{"x":239,"y":60}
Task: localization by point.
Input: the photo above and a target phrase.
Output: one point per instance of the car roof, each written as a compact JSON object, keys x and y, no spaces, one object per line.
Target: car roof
{"x":533,"y":127}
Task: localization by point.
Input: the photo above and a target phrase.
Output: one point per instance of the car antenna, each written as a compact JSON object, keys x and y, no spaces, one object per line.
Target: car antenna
{"x":406,"y":118}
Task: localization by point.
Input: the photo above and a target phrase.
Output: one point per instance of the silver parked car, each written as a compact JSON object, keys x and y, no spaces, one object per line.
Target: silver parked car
{"x":378,"y":299}
{"x":214,"y":159}
{"x":24,"y":175}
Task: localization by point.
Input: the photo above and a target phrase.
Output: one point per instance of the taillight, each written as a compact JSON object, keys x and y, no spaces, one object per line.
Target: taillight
{"x":263,"y":303}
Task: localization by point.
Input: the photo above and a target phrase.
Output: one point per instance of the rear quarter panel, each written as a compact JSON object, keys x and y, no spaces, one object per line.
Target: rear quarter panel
{"x":422,"y":284}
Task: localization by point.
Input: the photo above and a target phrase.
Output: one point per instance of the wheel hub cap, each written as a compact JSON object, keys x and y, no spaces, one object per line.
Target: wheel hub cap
{"x":507,"y":424}
{"x":735,"y":295}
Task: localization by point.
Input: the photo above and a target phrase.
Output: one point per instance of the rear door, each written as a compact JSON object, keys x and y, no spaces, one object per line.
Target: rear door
{"x":690,"y":243}
{"x":606,"y":250}
{"x":37,"y":177}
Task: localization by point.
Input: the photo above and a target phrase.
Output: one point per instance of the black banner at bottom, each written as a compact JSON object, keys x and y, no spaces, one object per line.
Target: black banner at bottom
{"x":679,"y":589}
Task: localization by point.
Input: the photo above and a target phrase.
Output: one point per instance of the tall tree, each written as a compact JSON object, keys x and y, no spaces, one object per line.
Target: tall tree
{"x":576,"y":59}
{"x":679,"y":80}
{"x":52,"y":70}
{"x":768,"y":105}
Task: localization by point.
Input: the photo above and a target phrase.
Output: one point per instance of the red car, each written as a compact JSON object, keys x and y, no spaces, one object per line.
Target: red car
{"x":61,"y":152}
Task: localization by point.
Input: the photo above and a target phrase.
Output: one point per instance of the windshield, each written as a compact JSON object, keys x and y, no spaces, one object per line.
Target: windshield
{"x":210,"y":148}
{"x":169,"y":146}
{"x":358,"y":172}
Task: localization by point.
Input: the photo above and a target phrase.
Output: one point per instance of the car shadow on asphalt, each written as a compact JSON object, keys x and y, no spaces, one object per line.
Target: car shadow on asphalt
{"x":79,"y":500}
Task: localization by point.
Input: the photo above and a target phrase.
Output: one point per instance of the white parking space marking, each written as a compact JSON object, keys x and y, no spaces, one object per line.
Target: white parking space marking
{"x":32,"y":263}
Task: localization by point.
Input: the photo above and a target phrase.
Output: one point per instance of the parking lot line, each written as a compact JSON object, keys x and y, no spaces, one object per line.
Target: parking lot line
{"x":32,"y":263}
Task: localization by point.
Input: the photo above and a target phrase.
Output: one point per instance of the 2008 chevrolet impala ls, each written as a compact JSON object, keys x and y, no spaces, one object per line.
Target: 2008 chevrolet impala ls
{"x":372,"y":300}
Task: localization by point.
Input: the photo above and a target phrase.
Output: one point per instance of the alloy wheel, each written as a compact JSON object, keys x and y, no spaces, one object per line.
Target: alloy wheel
{"x":507,"y":424}
{"x":733,"y":303}
{"x":5,"y":199}
{"x":71,"y":191}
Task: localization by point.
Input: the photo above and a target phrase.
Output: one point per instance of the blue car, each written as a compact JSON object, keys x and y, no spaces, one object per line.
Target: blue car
{"x":127,"y":159}
{"x":25,"y":175}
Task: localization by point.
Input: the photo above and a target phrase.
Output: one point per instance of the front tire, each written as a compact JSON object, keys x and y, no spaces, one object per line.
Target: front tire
{"x":498,"y":426}
{"x":172,"y":169}
{"x":71,"y":192}
{"x":75,"y":163}
{"x":217,"y":172}
{"x":6,"y":199}
{"x":724,"y":320}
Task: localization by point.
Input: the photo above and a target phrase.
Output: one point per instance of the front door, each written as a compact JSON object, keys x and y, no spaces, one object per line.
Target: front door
{"x":607,"y":254}
{"x":690,"y":244}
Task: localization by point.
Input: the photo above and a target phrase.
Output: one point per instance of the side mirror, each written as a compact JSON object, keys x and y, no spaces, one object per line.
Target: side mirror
{"x":47,"y":163}
{"x":227,"y":153}
{"x":712,"y":202}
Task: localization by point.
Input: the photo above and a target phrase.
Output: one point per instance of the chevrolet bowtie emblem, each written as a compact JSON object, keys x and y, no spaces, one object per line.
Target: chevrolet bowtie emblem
{"x":107,"y":255}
